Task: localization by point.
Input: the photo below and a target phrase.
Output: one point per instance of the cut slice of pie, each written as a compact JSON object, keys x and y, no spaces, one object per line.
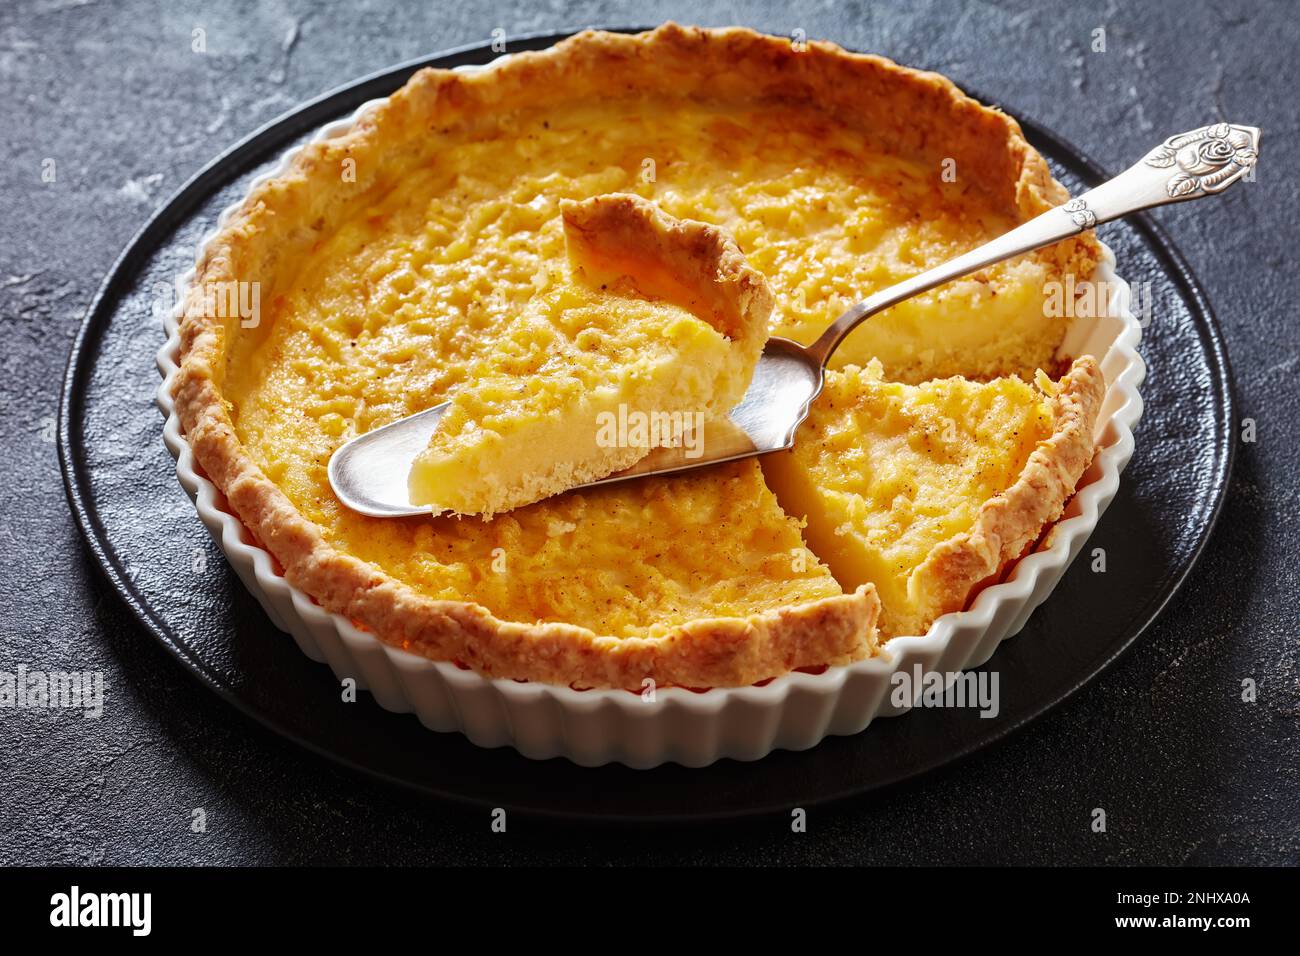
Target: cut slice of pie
{"x":929,"y":490}
{"x":652,"y":327}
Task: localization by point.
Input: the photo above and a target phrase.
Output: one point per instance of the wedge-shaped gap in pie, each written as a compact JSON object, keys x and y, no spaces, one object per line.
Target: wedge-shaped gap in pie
{"x":653,"y":328}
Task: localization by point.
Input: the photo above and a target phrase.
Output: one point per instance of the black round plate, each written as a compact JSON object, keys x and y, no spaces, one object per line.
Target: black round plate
{"x":144,"y":533}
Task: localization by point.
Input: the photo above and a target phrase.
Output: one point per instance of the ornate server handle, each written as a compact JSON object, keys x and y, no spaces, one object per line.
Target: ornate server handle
{"x":1203,"y":162}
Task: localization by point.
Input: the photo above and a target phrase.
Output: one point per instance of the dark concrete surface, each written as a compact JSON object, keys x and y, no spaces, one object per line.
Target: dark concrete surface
{"x":1186,"y":771}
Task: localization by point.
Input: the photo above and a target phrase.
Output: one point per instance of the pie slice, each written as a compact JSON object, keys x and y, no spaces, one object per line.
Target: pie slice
{"x":652,"y":328}
{"x":929,"y":490}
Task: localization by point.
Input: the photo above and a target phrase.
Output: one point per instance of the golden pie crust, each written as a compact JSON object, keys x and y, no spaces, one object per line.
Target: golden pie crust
{"x":683,"y":261}
{"x":286,"y":217}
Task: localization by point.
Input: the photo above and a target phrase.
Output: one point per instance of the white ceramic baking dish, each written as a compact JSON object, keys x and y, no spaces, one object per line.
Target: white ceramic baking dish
{"x":593,"y":727}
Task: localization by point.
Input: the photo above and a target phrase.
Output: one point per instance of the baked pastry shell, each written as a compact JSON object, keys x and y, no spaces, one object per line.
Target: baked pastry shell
{"x":592,"y":727}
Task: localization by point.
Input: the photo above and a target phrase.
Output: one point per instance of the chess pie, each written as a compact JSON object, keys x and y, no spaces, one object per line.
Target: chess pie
{"x":410,"y":260}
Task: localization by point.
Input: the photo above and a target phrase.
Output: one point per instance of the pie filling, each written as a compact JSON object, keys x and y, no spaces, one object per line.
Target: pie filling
{"x":885,"y":473}
{"x":597,"y":369}
{"x":443,"y":274}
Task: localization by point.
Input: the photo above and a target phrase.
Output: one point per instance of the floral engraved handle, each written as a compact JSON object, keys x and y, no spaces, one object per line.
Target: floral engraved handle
{"x":1192,"y":165}
{"x":1082,"y":216}
{"x":1208,"y":159}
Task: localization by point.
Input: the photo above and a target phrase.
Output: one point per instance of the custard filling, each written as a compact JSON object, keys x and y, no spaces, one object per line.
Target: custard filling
{"x":884,"y":472}
{"x":402,"y":305}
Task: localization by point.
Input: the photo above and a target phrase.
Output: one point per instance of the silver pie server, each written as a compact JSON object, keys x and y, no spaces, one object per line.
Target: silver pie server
{"x":369,"y":473}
